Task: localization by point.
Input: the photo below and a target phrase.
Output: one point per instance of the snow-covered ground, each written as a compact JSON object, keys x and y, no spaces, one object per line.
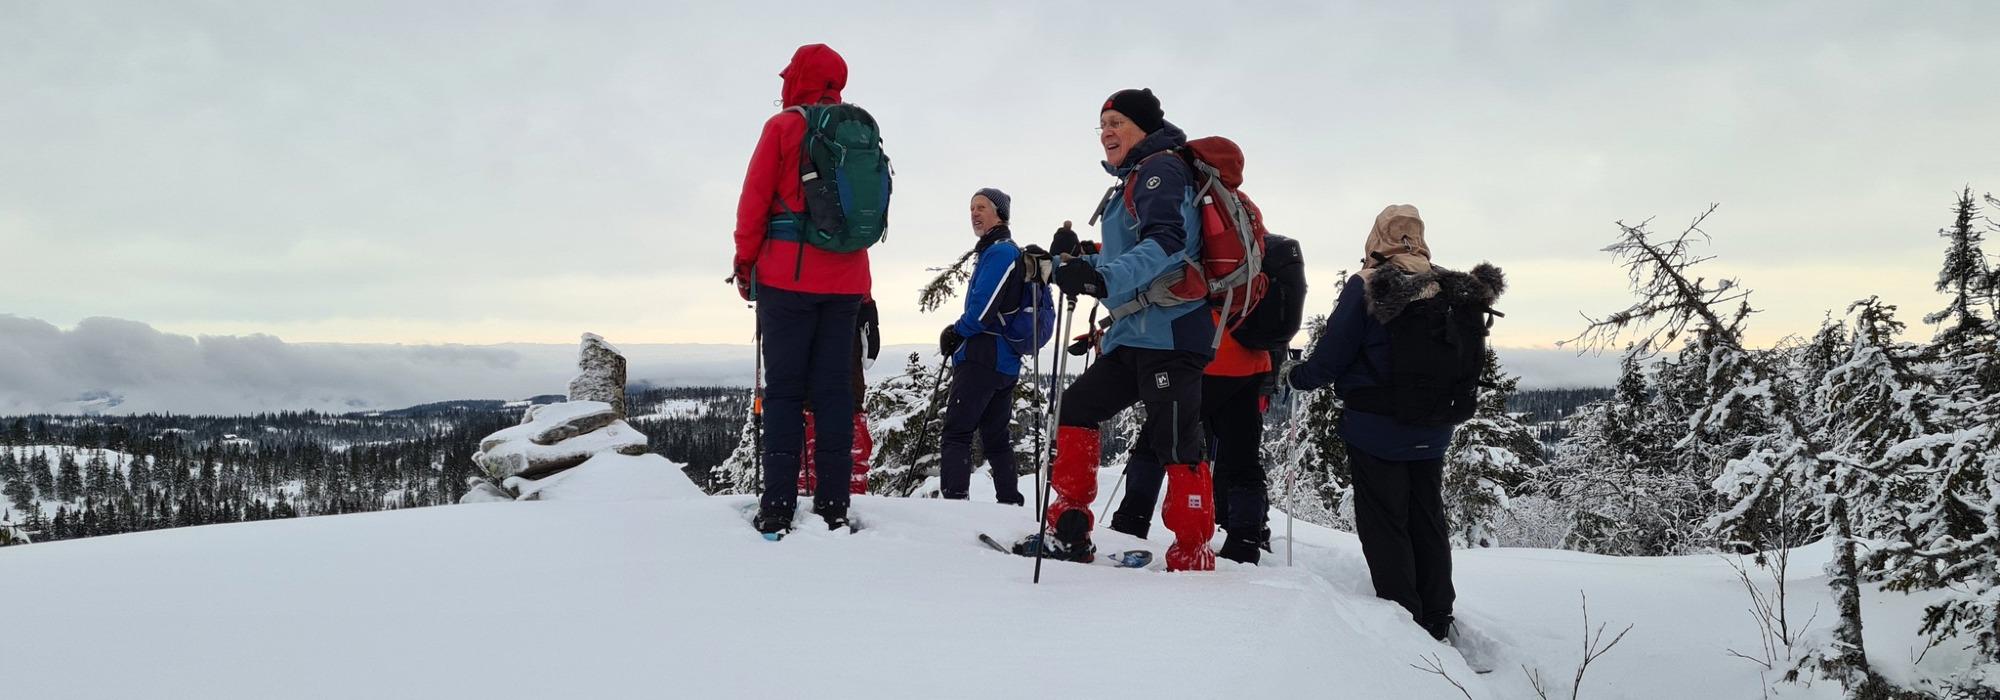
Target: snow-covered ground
{"x":680,"y":598}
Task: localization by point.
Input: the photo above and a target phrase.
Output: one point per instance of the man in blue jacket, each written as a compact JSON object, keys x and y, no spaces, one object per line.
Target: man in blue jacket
{"x":1153,"y":355}
{"x":984,"y":368}
{"x":1398,"y":467}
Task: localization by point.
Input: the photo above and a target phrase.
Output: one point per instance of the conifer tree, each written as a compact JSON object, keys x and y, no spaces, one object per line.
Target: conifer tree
{"x":1490,"y":457}
{"x":69,"y":478}
{"x":906,"y":412}
{"x":1965,"y":275}
{"x":1745,"y":404}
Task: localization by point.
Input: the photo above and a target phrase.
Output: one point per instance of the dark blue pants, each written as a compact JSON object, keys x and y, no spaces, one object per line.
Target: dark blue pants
{"x":808,"y":355}
{"x":982,"y":401}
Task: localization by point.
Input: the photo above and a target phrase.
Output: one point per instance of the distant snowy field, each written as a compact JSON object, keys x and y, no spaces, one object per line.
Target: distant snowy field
{"x":108,"y":365}
{"x":679,"y":598}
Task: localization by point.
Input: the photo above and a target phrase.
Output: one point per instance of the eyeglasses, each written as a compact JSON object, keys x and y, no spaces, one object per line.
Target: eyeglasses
{"x":1114,"y":125}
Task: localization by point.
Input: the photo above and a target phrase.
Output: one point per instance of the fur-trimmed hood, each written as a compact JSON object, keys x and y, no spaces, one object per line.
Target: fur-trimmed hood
{"x":1389,"y":290}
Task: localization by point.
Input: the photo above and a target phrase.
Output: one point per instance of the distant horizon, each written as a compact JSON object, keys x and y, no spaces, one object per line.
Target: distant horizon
{"x":50,"y":369}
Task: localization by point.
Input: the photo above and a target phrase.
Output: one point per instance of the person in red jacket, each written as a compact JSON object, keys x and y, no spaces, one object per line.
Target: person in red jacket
{"x":807,"y":298}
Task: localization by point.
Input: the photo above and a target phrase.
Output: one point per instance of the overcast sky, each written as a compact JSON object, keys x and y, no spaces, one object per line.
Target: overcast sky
{"x":490,"y":172}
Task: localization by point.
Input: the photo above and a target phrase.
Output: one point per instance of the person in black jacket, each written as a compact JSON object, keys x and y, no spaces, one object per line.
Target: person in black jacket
{"x":1397,"y":466}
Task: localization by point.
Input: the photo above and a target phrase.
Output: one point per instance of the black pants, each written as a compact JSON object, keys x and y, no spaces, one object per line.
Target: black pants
{"x":1399,"y":515}
{"x":1231,"y":412}
{"x":808,"y":354}
{"x":1168,"y":382}
{"x":982,"y":401}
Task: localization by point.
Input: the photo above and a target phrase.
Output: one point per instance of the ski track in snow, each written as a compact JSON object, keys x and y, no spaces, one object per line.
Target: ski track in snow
{"x":680,"y":598}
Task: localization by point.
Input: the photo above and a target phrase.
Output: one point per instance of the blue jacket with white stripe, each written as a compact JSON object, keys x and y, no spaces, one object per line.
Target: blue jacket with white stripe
{"x":996,"y":288}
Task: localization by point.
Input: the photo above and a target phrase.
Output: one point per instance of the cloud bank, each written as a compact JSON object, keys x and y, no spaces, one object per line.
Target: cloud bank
{"x":119,"y":366}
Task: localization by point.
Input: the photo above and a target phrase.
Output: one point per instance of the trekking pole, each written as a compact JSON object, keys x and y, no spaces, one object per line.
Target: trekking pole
{"x":1035,"y":322}
{"x":1291,"y":471}
{"x":757,"y":399}
{"x":937,"y":384}
{"x":1063,"y":326}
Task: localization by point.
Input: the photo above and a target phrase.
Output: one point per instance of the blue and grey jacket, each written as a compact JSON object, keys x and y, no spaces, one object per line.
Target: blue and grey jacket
{"x":1158,"y":234}
{"x":996,"y":288}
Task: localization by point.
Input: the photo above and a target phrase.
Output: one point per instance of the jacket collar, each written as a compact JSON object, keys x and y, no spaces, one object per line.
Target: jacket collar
{"x":993,"y":235}
{"x":1164,"y":138}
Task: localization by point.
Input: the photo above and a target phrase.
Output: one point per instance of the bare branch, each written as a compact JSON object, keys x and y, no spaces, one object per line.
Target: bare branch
{"x":1593,"y":646}
{"x":1434,"y":665}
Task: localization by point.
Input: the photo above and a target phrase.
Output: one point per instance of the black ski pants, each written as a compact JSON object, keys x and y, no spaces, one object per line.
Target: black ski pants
{"x":981,"y":402}
{"x":1399,"y":516}
{"x":1231,"y":411}
{"x":1168,"y":382}
{"x":808,"y":354}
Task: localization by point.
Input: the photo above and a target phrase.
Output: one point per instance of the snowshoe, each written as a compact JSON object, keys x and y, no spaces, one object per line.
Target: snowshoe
{"x":1128,"y":559}
{"x":773,"y":523}
{"x":1054,"y":548}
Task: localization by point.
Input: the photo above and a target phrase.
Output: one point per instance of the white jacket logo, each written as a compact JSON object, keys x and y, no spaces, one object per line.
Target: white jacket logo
{"x":1153,"y":182}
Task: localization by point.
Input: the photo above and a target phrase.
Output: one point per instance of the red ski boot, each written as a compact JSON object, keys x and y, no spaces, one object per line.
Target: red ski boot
{"x":864,"y":450}
{"x":1189,"y":511}
{"x":808,"y":474}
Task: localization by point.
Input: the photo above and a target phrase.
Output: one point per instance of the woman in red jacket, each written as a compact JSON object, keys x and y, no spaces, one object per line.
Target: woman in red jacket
{"x":806,"y":298}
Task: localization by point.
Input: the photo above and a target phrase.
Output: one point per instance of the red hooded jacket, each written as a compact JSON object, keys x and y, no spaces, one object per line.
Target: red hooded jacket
{"x":815,"y":75}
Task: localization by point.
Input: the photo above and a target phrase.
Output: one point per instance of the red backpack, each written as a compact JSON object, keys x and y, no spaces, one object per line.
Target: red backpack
{"x":1229,"y":274}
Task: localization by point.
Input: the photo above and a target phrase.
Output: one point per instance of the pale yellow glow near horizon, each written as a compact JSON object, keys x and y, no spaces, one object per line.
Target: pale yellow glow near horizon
{"x":1539,"y":289}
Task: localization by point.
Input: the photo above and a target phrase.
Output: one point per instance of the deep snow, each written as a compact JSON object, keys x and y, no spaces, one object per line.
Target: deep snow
{"x":678,"y":597}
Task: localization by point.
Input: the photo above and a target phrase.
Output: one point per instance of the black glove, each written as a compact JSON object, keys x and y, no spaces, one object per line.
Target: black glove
{"x":1078,"y":277}
{"x":1082,"y":344}
{"x":1036,"y":264}
{"x":1064,"y":242}
{"x":949,"y":340}
{"x":1087,"y":248}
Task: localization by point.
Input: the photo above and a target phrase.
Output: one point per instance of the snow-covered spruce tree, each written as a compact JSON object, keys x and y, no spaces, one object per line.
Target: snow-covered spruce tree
{"x":906,"y":413}
{"x":1489,"y":459}
{"x":1308,"y":441}
{"x":1939,"y":445}
{"x":1944,"y":529}
{"x":1031,"y":405}
{"x":1631,"y":477}
{"x":1775,"y":467}
{"x":1965,"y":275}
{"x":739,"y":473}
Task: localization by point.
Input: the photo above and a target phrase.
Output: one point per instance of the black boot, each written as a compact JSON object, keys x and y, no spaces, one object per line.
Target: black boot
{"x":835,"y":517}
{"x":1130,"y":525}
{"x":772,"y":521}
{"x":1239,"y":549}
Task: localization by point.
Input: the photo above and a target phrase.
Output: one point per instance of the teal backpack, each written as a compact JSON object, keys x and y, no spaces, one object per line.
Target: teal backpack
{"x":845,"y":177}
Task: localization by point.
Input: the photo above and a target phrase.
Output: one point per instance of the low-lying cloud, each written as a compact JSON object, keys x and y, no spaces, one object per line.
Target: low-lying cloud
{"x":119,"y":366}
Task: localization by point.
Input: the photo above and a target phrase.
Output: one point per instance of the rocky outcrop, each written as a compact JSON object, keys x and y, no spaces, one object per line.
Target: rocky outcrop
{"x":600,"y":374}
{"x":554,"y":437}
{"x":526,"y":461}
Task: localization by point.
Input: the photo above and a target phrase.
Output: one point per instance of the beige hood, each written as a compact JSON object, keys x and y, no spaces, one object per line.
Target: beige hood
{"x":1397,"y":239}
